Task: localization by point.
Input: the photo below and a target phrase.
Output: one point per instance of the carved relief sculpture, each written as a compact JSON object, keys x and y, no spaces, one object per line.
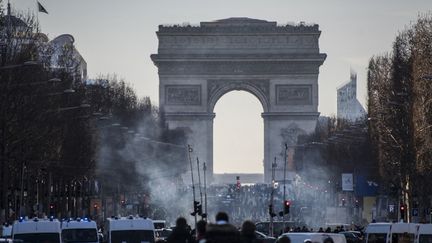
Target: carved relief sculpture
{"x":294,"y":94}
{"x":183,"y":94}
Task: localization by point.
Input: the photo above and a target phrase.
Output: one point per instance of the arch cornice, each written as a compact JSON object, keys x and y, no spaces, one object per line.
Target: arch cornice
{"x":216,"y":88}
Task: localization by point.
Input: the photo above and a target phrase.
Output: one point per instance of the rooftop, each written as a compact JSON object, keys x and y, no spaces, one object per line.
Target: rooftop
{"x":239,"y":25}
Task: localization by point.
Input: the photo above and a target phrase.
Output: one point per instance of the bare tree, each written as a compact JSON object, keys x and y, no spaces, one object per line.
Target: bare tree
{"x":399,"y":111}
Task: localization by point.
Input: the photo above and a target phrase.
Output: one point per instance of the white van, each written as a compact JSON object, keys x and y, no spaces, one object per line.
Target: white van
{"x":424,"y":234}
{"x":130,"y":230}
{"x":377,"y":233}
{"x":314,"y":237}
{"x":36,"y":231}
{"x":159,"y":224}
{"x":79,"y":230}
{"x":403,"y":232}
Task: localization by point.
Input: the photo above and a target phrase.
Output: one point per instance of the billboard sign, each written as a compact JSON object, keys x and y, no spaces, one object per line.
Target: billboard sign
{"x":347,"y":182}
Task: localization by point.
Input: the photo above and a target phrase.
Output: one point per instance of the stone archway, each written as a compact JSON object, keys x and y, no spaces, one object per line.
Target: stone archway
{"x":217,"y":88}
{"x":277,"y":64}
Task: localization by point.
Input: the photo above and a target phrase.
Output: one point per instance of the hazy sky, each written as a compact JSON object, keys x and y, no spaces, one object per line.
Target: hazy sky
{"x":118,"y":36}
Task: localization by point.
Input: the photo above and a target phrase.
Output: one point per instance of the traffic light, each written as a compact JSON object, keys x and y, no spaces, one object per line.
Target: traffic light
{"x":95,"y":209}
{"x":123,"y":203}
{"x":51,"y":209}
{"x":402,"y":211}
{"x":287,"y":205}
{"x":271,"y":211}
{"x":197,"y":209}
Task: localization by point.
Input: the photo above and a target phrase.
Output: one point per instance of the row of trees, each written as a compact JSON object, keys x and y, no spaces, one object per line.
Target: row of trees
{"x":400,"y":115}
{"x":336,"y":146}
{"x":65,"y":140}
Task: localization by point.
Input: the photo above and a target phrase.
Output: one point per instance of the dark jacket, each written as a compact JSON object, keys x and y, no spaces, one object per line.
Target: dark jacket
{"x":249,"y":238}
{"x":180,"y":235}
{"x":222,"y":233}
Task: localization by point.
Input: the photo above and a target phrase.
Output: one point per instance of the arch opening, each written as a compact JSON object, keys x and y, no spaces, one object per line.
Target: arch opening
{"x":238,"y":134}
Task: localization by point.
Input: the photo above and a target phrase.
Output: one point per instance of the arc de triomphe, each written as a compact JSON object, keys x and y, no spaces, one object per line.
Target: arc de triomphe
{"x":277,"y":64}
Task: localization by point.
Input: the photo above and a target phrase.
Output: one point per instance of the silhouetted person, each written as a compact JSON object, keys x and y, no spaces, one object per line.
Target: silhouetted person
{"x":321,"y":230}
{"x":283,"y":239}
{"x":328,"y":240}
{"x":181,"y":233}
{"x":247,"y":233}
{"x":222,"y":231}
{"x":328,"y":230}
{"x":201,"y":230}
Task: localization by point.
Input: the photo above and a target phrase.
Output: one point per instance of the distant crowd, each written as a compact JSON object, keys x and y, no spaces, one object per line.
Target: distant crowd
{"x":222,"y":231}
{"x":219,"y":232}
{"x":249,"y":202}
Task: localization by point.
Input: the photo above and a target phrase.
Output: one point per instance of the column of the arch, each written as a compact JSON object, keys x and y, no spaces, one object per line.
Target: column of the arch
{"x":274,"y":125}
{"x":272,"y":145}
{"x":199,"y":135}
{"x":266,"y":162}
{"x":209,"y":160}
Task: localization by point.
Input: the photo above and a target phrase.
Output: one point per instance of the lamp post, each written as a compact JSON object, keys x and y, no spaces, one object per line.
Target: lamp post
{"x":271,"y":205}
{"x":284,"y":187}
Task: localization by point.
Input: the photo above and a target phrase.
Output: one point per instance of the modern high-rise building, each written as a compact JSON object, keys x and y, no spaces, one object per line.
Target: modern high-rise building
{"x":348,"y":106}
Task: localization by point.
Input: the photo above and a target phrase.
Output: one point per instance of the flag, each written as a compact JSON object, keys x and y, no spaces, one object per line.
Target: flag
{"x":41,"y":8}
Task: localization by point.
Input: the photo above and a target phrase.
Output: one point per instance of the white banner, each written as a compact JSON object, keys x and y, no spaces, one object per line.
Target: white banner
{"x":347,"y":182}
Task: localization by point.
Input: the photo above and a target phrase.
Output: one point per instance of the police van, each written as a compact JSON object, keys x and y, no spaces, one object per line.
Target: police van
{"x":159,"y":224}
{"x":424,"y":234}
{"x":129,"y":230}
{"x":403,"y":232}
{"x":36,"y":231}
{"x":378,"y":233}
{"x":79,"y":230}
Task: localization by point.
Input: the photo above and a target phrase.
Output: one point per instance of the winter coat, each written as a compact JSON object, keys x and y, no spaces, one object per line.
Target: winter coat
{"x":180,"y":235}
{"x":222,"y":233}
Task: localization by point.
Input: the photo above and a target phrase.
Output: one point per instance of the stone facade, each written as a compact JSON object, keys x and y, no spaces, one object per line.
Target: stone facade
{"x":278,"y":64}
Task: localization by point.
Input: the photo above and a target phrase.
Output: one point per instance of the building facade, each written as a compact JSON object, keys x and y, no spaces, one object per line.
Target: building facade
{"x":348,"y":106}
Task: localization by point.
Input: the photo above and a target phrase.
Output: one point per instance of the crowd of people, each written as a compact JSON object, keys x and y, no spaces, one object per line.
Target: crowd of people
{"x":240,"y":202}
{"x":222,"y":231}
{"x":219,"y":232}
